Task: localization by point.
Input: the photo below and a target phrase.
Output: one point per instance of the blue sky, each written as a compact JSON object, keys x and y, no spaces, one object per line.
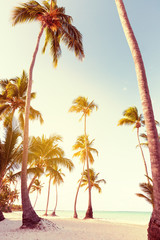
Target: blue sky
{"x":107,"y":76}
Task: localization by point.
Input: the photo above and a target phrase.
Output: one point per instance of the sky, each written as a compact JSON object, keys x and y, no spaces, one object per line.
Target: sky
{"x":107,"y":76}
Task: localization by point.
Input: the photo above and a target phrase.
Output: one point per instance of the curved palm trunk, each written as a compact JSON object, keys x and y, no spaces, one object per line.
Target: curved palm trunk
{"x":75,"y":202}
{"x":31,"y":183}
{"x":145,"y":165}
{"x":89,"y":213}
{"x":153,"y":141}
{"x":36,"y":200}
{"x":49,"y":186}
{"x":54,"y":211}
{"x":30,"y":218}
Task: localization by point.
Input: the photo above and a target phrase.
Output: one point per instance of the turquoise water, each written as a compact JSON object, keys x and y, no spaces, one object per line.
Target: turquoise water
{"x":141,"y":218}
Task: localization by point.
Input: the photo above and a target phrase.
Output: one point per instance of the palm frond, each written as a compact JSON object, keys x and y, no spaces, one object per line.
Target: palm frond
{"x":147,"y":188}
{"x":3,"y":108}
{"x":131,"y":113}
{"x":21,"y":120}
{"x":27,"y":12}
{"x":55,"y":47}
{"x":125,"y":121}
{"x":73,"y":39}
{"x":34,"y":114}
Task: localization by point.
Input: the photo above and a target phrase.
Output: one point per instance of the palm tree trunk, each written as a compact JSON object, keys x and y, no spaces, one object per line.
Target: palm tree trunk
{"x":54,"y":211}
{"x":75,"y":202}
{"x":89,"y":212}
{"x":31,"y":183}
{"x":145,"y":165}
{"x":11,"y":128}
{"x":153,"y":141}
{"x":30,"y":218}
{"x":36,"y":200}
{"x":1,"y":216}
{"x":49,"y":185}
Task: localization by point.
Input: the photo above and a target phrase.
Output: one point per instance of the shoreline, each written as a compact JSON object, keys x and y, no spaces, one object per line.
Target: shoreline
{"x":72,"y":229}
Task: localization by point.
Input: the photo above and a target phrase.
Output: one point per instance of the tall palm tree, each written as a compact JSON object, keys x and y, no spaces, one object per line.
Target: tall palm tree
{"x":94,"y":180}
{"x":12,"y":99}
{"x":36,"y":186}
{"x":57,"y":180}
{"x":58,"y":27}
{"x":82,"y":105}
{"x":131,"y":117}
{"x":80,"y":149}
{"x":153,"y":141}
{"x":10,"y":152}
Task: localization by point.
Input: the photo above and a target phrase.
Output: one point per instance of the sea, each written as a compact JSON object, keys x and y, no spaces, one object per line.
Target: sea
{"x":129,"y":217}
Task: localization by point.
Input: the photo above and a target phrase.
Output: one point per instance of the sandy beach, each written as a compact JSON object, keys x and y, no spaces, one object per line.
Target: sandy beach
{"x":71,"y":229}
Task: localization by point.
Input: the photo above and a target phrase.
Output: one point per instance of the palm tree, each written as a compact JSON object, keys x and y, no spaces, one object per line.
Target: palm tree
{"x":10,"y":152}
{"x":52,"y":169}
{"x":81,"y":105}
{"x":41,"y":149}
{"x":36,"y":186}
{"x":58,"y":27}
{"x":57,"y":180}
{"x":94,"y":180}
{"x":12,"y":99}
{"x":131,"y":117}
{"x":153,"y":141}
{"x":80,"y":147}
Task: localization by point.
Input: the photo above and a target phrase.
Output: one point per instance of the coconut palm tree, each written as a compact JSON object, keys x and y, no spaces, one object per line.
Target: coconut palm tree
{"x":58,"y":27}
{"x":82,"y":105}
{"x":80,"y":149}
{"x":12,"y":99}
{"x":57,"y":180}
{"x":36,"y":186}
{"x":153,"y":141}
{"x":131,"y":117}
{"x":94,"y":180}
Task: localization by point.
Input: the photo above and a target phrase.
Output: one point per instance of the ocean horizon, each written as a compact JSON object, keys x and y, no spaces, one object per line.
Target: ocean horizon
{"x":130,"y":217}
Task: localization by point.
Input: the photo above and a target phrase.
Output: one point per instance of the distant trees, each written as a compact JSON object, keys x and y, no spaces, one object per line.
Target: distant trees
{"x":83,"y":106}
{"x":80,"y":148}
{"x":95,"y":182}
{"x":36,"y":186}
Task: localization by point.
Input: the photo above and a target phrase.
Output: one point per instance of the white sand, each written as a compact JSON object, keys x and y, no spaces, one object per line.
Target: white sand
{"x":71,"y":229}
